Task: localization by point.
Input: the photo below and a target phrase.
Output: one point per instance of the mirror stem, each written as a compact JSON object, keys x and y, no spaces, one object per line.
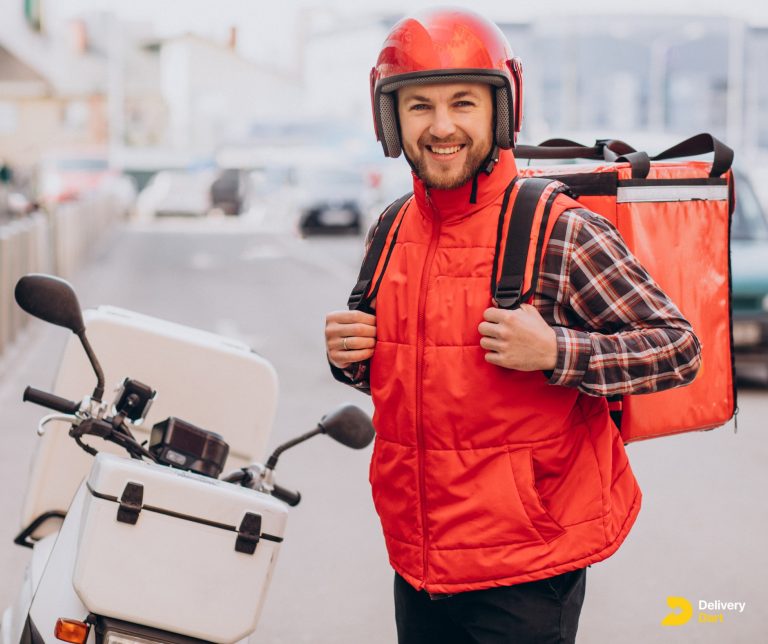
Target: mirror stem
{"x":291,"y":443}
{"x":98,"y":392}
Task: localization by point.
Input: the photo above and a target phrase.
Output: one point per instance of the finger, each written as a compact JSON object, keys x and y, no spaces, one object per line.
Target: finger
{"x":362,"y":354}
{"x":350,"y":317}
{"x":491,"y":344}
{"x":335,"y":330}
{"x":488,"y":329}
{"x":342,"y":359}
{"x":355,"y":343}
{"x":495,"y":315}
{"x":494,"y":330}
{"x":350,"y":330}
{"x":365,"y":330}
{"x":494,"y":358}
{"x":336,"y":361}
{"x":530,"y":311}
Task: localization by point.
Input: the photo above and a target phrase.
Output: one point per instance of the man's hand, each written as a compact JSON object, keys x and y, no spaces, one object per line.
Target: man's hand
{"x":350,"y":336}
{"x":518,"y":339}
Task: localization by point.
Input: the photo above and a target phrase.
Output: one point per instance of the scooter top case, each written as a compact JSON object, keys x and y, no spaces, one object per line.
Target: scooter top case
{"x":211,"y":381}
{"x":175,"y":550}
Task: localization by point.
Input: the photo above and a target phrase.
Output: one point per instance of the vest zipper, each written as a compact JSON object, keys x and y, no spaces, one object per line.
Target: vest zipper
{"x":419,"y":383}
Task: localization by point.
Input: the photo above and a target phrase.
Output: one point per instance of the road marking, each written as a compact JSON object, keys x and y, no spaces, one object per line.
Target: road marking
{"x":301,"y":251}
{"x":182,"y":226}
{"x":202,"y":261}
{"x":262,"y":251}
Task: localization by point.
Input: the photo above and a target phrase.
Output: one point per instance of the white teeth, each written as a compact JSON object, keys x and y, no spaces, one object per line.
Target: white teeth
{"x":450,"y":150}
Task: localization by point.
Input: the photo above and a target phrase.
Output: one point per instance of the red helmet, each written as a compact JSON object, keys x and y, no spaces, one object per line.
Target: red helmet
{"x":444,"y":45}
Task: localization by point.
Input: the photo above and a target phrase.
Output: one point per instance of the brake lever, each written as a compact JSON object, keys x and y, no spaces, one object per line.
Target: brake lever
{"x":67,"y":418}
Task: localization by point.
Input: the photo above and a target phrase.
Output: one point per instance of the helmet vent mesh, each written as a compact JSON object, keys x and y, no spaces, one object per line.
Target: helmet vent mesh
{"x":504,"y":136}
{"x":390,"y":134}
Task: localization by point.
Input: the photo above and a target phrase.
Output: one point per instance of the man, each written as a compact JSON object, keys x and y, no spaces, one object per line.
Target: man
{"x":497,"y":473}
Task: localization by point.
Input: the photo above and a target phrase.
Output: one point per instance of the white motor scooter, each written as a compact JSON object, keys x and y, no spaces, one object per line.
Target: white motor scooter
{"x":153,"y":547}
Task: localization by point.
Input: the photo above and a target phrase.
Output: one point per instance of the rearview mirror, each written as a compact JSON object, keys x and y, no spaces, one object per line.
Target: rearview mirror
{"x":50,"y":299}
{"x":349,"y":425}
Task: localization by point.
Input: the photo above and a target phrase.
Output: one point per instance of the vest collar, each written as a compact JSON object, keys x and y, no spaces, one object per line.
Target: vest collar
{"x":454,"y":204}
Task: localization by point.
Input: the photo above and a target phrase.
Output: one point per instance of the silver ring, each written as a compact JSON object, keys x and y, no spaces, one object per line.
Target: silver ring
{"x":344,"y":344}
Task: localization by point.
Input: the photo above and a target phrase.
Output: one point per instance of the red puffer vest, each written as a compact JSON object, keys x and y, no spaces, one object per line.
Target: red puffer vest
{"x":482,"y":476}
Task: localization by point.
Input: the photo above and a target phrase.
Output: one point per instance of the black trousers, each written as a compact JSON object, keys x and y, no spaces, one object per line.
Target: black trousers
{"x":537,"y":612}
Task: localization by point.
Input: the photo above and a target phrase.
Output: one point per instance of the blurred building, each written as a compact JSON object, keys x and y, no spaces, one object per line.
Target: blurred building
{"x":214,"y":95}
{"x":104,"y":87}
{"x":613,"y":74}
{"x":100,"y":83}
{"x":338,"y":52}
{"x":607,"y":74}
{"x":52,"y":88}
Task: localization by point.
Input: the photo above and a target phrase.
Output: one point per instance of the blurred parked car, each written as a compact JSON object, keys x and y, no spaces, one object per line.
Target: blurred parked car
{"x":228,"y":191}
{"x":176,"y":193}
{"x":749,"y":259}
{"x":330,"y":201}
{"x":331,"y":218}
{"x":70,"y":176}
{"x":65,"y":177}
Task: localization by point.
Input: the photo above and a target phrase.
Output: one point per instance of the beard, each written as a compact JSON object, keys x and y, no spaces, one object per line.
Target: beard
{"x":475,"y":155}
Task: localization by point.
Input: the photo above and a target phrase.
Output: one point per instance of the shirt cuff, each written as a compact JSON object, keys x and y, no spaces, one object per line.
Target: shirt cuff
{"x":355,"y":375}
{"x":574,"y":349}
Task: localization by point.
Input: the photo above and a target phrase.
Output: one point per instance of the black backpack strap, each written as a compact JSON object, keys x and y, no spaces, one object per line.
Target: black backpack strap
{"x":701,"y":144}
{"x":508,"y":291}
{"x":639,"y":161}
{"x":563,"y":149}
{"x":359,"y":299}
{"x":615,"y":408}
{"x":611,"y":150}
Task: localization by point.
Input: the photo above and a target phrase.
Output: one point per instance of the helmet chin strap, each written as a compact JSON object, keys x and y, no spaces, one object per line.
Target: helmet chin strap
{"x":408,"y":159}
{"x":486,"y":166}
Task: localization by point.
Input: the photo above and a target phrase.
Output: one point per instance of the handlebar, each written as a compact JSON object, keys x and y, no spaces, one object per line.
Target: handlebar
{"x":286,"y":496}
{"x":65,"y":406}
{"x":52,"y":401}
{"x":248,"y":478}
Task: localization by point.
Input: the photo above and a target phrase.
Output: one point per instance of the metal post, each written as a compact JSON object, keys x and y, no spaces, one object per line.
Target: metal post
{"x":734,"y":124}
{"x":6,"y":290}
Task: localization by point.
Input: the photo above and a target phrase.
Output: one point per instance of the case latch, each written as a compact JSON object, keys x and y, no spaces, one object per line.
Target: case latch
{"x":249,"y":533}
{"x":130,"y":503}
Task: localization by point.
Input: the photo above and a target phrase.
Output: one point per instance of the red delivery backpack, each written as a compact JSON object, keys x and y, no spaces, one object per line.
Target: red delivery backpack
{"x":675,"y":218}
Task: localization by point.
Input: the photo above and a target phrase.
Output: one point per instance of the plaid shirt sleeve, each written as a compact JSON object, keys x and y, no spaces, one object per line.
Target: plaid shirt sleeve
{"x":356,"y":375}
{"x":617,"y":331}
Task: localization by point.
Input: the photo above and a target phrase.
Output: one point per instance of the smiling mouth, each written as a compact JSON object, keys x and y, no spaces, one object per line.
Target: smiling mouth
{"x":445,"y":150}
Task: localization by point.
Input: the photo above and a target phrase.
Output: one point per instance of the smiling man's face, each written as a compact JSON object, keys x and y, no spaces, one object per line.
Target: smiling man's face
{"x":446,"y":130}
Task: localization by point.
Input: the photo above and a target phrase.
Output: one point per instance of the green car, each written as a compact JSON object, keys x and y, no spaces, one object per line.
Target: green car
{"x":749,"y":263}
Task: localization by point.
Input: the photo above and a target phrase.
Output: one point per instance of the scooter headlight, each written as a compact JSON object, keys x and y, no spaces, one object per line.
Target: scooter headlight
{"x":115,"y":631}
{"x":118,"y":637}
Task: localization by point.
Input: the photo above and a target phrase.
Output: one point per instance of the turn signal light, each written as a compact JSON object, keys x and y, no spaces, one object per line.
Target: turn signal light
{"x":71,"y":630}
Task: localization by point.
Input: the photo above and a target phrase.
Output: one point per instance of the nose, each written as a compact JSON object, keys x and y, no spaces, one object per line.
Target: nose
{"x":442,"y":125}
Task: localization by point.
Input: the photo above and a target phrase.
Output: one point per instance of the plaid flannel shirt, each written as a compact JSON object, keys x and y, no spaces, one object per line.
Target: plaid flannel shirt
{"x":617,"y":331}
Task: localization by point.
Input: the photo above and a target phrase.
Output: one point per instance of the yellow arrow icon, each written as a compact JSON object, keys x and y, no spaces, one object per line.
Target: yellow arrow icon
{"x":678,"y":618}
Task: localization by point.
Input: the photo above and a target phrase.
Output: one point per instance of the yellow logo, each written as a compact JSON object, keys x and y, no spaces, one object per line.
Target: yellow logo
{"x":684,"y":614}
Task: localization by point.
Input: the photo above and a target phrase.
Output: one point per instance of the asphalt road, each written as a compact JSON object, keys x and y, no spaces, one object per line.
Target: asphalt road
{"x":700,"y":534}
